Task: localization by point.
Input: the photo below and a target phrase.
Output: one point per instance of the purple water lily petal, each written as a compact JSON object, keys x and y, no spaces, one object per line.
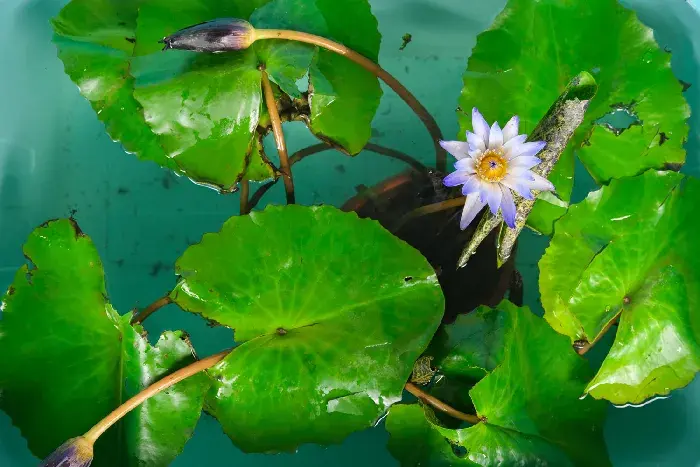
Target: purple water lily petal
{"x":466,"y":165}
{"x":475,"y":141}
{"x":459,"y":149}
{"x":472,"y":207}
{"x":472,"y":185}
{"x":495,"y":136}
{"x":510,"y":131}
{"x":527,"y":149}
{"x":524,"y":162}
{"x":481,"y":128}
{"x":508,"y":207}
{"x":456,"y":178}
{"x":491,"y":193}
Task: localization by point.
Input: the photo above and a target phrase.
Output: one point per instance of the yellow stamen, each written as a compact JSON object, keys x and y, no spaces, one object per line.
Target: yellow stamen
{"x":492,"y":166}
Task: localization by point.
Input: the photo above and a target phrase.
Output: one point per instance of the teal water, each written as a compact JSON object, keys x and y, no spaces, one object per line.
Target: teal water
{"x":55,"y":157}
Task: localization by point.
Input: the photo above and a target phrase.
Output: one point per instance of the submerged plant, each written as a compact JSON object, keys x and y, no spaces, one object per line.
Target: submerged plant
{"x":339,"y":313}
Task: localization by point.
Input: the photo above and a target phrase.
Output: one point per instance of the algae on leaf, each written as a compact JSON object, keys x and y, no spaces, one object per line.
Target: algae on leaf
{"x":321,"y":316}
{"x":74,"y":359}
{"x":630,"y":251}
{"x":529,"y":403}
{"x":530,"y":53}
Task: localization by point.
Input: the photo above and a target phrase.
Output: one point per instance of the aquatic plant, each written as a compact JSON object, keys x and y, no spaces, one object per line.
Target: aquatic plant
{"x":339,"y":313}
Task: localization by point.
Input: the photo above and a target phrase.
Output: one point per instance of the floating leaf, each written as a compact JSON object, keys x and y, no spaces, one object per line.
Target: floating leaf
{"x":95,"y":40}
{"x":70,"y":359}
{"x":344,"y":96}
{"x":330,"y":317}
{"x":630,"y":251}
{"x":538,"y":375}
{"x":197,"y":113}
{"x":533,"y":49}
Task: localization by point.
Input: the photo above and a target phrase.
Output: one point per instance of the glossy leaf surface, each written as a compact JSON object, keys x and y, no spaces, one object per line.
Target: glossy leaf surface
{"x":517,"y":401}
{"x":630,"y":250}
{"x":319,"y":301}
{"x":532,"y":51}
{"x":198,"y":114}
{"x":70,"y":359}
{"x":95,"y":40}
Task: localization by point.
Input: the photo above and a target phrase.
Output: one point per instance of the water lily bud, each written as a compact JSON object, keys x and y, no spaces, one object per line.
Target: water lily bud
{"x":76,"y":452}
{"x":219,"y":35}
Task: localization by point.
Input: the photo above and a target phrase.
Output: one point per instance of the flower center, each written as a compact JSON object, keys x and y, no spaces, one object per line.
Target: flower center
{"x":492,"y":166}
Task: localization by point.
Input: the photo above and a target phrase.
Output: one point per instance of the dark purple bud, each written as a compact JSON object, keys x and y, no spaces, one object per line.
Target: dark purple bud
{"x":219,"y":35}
{"x":76,"y":452}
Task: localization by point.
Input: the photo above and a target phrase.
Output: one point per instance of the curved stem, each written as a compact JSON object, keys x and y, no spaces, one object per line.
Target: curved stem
{"x":430,"y":209}
{"x":316,"y":148}
{"x":369,"y":65}
{"x":441,"y":406}
{"x":150,"y":309}
{"x":581,"y":350}
{"x":183,"y":373}
{"x":285,"y":168}
{"x":245,"y":192}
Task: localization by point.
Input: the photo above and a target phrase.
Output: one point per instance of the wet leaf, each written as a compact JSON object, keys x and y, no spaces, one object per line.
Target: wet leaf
{"x":534,"y":48}
{"x":344,"y":96}
{"x":196,"y":113}
{"x":320,"y":315}
{"x":516,"y":400}
{"x":95,"y":40}
{"x":70,"y":359}
{"x":630,"y":250}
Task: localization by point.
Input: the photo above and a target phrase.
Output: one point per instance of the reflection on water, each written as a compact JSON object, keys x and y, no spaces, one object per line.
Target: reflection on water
{"x":55,"y":158}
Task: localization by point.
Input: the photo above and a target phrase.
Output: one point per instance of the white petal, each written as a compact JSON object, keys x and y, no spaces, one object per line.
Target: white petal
{"x":527,"y":149}
{"x":495,"y":136}
{"x":456,"y":178}
{"x":517,"y":185}
{"x":459,"y":149}
{"x":481,"y":128}
{"x":466,"y":165}
{"x":508,"y":207}
{"x":514,"y":142}
{"x":475,"y":141}
{"x":491,"y":194}
{"x":472,"y":207}
{"x":510,"y":131}
{"x":472,"y":185}
{"x":525,"y":162}
{"x":538,"y":183}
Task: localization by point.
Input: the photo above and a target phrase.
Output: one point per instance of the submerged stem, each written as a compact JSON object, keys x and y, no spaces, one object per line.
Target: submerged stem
{"x":441,"y":406}
{"x":174,"y":378}
{"x":285,"y":167}
{"x":245,"y":192}
{"x":150,"y":309}
{"x":427,"y":119}
{"x":430,"y":209}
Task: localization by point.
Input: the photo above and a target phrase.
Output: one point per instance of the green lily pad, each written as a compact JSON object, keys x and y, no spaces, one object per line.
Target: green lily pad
{"x":534,"y":48}
{"x":198,"y":114}
{"x":95,"y":40}
{"x":538,"y":375}
{"x":70,"y":359}
{"x":344,"y":96}
{"x":320,"y":302}
{"x":630,"y":251}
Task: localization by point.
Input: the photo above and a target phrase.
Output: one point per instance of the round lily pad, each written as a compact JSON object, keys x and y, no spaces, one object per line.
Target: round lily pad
{"x":330,"y":312}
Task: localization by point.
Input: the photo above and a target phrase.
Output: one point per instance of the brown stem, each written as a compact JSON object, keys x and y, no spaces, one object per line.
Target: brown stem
{"x":245,"y":192}
{"x":586,"y":346}
{"x":316,"y":148}
{"x":150,"y":309}
{"x":427,"y":119}
{"x":441,"y":406}
{"x":430,"y":209}
{"x":183,"y":373}
{"x":272,"y":109}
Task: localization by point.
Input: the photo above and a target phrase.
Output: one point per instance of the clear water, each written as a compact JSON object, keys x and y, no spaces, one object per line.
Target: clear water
{"x":55,"y":158}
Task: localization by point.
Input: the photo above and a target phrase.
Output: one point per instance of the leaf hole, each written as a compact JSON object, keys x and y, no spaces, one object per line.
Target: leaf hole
{"x":620,"y":119}
{"x":663,"y":138}
{"x":281,"y":331}
{"x":408,"y":278}
{"x":459,"y":451}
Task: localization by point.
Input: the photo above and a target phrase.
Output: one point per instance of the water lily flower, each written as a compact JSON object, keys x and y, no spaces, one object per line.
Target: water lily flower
{"x":219,"y":35}
{"x":76,"y":452}
{"x":491,"y":163}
